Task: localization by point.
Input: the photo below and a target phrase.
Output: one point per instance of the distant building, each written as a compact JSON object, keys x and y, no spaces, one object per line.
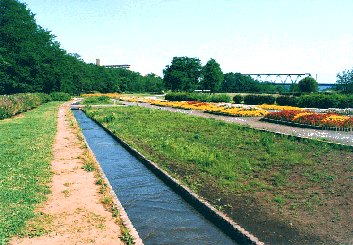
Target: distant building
{"x":98,"y":63}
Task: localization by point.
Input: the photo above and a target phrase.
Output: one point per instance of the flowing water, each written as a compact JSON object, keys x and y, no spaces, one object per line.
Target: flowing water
{"x":158,"y":214}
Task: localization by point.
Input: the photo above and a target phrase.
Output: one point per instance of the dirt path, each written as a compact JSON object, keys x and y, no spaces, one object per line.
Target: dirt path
{"x":333,"y":136}
{"x":74,"y":206}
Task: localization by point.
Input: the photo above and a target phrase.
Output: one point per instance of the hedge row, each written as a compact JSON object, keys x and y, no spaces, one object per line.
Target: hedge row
{"x":322,"y":101}
{"x":318,"y":100}
{"x":11,"y":105}
{"x":259,"y":99}
{"x":177,"y":96}
{"x":60,"y":96}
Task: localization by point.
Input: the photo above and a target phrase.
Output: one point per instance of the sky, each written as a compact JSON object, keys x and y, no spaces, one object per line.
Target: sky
{"x":246,"y":36}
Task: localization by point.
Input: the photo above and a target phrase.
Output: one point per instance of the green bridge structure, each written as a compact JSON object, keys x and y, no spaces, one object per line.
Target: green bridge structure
{"x":286,"y":79}
{"x":279,"y":78}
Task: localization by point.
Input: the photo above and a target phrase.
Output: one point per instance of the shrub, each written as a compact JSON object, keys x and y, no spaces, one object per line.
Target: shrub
{"x":220,"y":98}
{"x":308,"y":85}
{"x":238,"y":99}
{"x":287,"y":101}
{"x":326,"y":101}
{"x":97,"y":100}
{"x":60,"y":96}
{"x":259,"y":99}
{"x":44,"y":97}
{"x":181,"y":96}
{"x":296,"y":94}
{"x":11,"y":105}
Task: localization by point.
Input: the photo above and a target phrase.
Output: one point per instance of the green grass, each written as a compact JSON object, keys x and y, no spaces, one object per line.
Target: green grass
{"x":278,"y":171}
{"x":97,"y":100}
{"x":25,"y":157}
{"x":231,"y":154}
{"x":138,"y":94}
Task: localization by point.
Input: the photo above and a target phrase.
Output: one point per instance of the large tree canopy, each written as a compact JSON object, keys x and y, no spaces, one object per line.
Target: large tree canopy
{"x":32,"y":61}
{"x":308,"y":85}
{"x":25,"y":48}
{"x":183,"y":74}
{"x":212,"y":76}
{"x":345,"y":81}
{"x":236,"y":82}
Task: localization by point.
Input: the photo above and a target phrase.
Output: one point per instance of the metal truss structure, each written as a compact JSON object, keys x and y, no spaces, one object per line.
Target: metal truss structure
{"x":278,"y":78}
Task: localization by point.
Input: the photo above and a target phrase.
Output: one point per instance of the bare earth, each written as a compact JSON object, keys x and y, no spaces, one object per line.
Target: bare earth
{"x":74,"y":205}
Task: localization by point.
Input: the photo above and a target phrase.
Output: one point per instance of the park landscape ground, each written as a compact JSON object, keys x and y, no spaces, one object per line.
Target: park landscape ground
{"x":300,"y":203}
{"x":289,"y":191}
{"x":78,"y":209}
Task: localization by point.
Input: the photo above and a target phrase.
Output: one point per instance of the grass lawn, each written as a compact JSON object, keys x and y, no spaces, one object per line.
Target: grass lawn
{"x":25,"y":155}
{"x":98,"y":100}
{"x":138,"y":95}
{"x":263,"y":181}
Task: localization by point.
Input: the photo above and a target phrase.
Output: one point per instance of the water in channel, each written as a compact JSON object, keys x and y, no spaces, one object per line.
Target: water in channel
{"x":158,"y":214}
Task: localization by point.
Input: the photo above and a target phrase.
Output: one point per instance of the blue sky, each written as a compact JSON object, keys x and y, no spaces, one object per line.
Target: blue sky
{"x":247,"y":36}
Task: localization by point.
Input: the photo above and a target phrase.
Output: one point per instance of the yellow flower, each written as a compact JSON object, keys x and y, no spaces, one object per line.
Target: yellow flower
{"x":336,"y":118}
{"x":277,"y":107}
{"x":301,"y":114}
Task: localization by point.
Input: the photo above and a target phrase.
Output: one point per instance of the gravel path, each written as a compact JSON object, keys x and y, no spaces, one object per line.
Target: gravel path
{"x":332,"y":136}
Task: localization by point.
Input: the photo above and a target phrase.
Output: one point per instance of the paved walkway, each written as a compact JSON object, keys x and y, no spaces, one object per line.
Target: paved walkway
{"x":332,"y":136}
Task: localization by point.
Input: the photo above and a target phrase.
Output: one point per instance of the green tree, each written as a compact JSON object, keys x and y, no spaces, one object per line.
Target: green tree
{"x":183,"y":74}
{"x":212,"y":76}
{"x":294,"y":88}
{"x":32,"y":61}
{"x":25,"y":47}
{"x":308,"y":85}
{"x":154,"y":83}
{"x":236,"y":82}
{"x":344,"y":81}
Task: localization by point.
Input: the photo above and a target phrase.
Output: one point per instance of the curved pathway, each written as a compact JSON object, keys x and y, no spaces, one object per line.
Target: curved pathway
{"x":339,"y":137}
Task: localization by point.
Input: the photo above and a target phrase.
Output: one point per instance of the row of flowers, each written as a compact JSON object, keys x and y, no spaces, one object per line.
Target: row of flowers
{"x":110,"y":95}
{"x":224,"y":109}
{"x":324,"y":120}
{"x":279,"y":108}
{"x":172,"y":103}
{"x":287,"y":113}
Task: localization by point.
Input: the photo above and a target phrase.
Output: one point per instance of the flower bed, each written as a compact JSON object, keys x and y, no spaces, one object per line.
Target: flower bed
{"x":137,"y":99}
{"x":162,"y":103}
{"x":219,"y":109}
{"x":110,"y":95}
{"x":196,"y":105}
{"x":278,"y":107}
{"x":331,"y":121}
{"x":242,"y":112}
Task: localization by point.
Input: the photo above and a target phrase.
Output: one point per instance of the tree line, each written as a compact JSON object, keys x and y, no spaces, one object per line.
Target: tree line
{"x":187,"y":74}
{"x":32,"y":61}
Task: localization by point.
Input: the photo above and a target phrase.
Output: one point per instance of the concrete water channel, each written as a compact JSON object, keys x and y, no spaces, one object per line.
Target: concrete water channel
{"x":159,"y":215}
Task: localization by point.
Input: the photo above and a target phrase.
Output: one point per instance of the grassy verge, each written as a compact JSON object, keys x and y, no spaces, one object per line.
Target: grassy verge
{"x":138,"y":95}
{"x":300,"y":185}
{"x":25,"y":156}
{"x":98,"y":100}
